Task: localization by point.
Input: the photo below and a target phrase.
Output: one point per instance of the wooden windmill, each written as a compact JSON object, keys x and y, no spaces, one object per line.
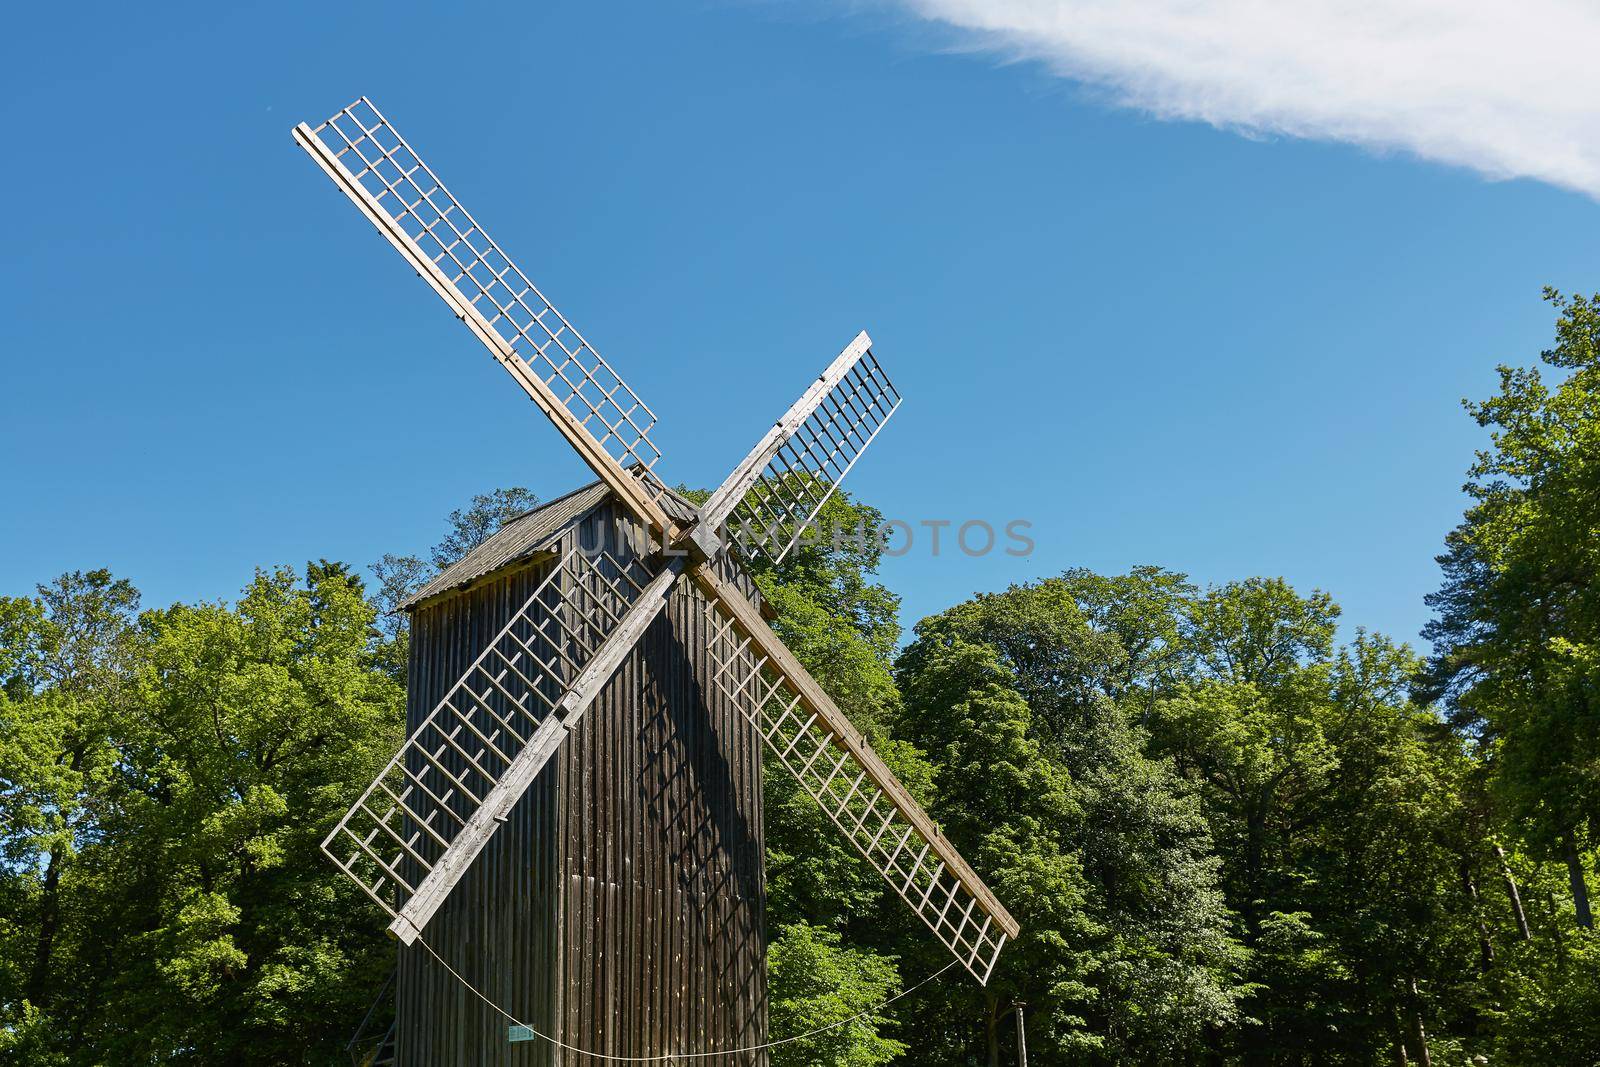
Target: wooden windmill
{"x":599,"y":875}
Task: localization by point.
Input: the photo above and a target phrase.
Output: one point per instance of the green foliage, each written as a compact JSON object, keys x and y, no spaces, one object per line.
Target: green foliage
{"x":474,"y":524}
{"x":22,"y":641}
{"x":839,"y":621}
{"x":1026,"y":703}
{"x":1333,"y":803}
{"x":813,"y":875}
{"x":167,"y":781}
{"x":398,"y":577}
{"x":1517,"y":659}
{"x":28,"y":1036}
{"x":1552,"y":1012}
{"x":1517,"y":641}
{"x":815,"y":982}
{"x":842,"y":625}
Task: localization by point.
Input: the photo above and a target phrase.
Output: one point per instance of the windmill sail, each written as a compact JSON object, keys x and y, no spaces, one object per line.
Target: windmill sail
{"x":433,"y":807}
{"x":776,"y":492}
{"x":814,"y":741}
{"x":560,"y":370}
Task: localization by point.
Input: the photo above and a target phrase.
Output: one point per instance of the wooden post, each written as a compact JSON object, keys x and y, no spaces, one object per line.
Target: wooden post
{"x":1022,"y":1037}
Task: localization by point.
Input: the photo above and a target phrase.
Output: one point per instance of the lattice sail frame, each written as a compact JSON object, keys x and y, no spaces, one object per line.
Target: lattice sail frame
{"x":774,"y":515}
{"x":880,"y":831}
{"x":392,"y":837}
{"x":414,"y":198}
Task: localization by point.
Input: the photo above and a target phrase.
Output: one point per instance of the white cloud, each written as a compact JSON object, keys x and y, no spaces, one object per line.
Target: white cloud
{"x":1509,"y":89}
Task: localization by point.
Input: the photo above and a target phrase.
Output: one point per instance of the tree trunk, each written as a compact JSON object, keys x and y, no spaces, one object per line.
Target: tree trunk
{"x":1557,"y":927}
{"x":1418,"y":1041}
{"x":1516,"y":897}
{"x":1400,"y":1057}
{"x":38,"y":991}
{"x":991,"y":1027}
{"x":1485,"y":945}
{"x":1580,"y":886}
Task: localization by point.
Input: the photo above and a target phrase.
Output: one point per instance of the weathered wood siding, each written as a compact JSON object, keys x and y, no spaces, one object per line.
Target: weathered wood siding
{"x":622,"y":906}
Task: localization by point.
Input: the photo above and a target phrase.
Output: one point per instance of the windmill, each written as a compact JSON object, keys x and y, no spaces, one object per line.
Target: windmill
{"x":586,"y":604}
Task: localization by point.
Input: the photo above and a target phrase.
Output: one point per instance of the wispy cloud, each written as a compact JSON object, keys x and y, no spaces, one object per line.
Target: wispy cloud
{"x":1509,"y":89}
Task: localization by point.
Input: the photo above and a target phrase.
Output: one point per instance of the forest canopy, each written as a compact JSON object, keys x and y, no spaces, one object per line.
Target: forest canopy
{"x":1235,"y":827}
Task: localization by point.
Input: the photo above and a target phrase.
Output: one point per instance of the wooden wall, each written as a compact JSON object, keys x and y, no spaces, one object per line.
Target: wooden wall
{"x":622,"y":906}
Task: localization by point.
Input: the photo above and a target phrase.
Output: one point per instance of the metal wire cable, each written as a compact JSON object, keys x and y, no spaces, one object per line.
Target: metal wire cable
{"x":675,"y":1057}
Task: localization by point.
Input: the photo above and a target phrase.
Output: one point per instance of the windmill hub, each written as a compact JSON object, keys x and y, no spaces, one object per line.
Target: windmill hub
{"x":703,"y":542}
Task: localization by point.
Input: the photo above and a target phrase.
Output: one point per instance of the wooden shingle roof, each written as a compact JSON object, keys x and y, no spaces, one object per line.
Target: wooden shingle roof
{"x":529,"y":534}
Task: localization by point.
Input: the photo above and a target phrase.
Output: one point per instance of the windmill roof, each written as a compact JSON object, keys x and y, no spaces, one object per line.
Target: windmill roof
{"x":529,"y":534}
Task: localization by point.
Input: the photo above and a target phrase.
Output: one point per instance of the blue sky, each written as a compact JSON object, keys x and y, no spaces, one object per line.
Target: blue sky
{"x":1157,"y":340}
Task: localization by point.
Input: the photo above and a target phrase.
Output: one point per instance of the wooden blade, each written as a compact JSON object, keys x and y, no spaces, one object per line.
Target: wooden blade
{"x":416,"y":829}
{"x":814,"y":740}
{"x":777,"y":490}
{"x":721,"y":503}
{"x":602,"y":418}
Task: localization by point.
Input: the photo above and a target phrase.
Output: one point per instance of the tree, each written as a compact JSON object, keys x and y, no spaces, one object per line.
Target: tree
{"x":1015,"y":811}
{"x":69,"y":659}
{"x":256,"y":723}
{"x":1517,"y":637}
{"x":1126,"y":951}
{"x":1336,"y":807}
{"x":833,"y":614}
{"x":815,"y":983}
{"x":399,"y":576}
{"x":474,"y":524}
{"x":166,"y":783}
